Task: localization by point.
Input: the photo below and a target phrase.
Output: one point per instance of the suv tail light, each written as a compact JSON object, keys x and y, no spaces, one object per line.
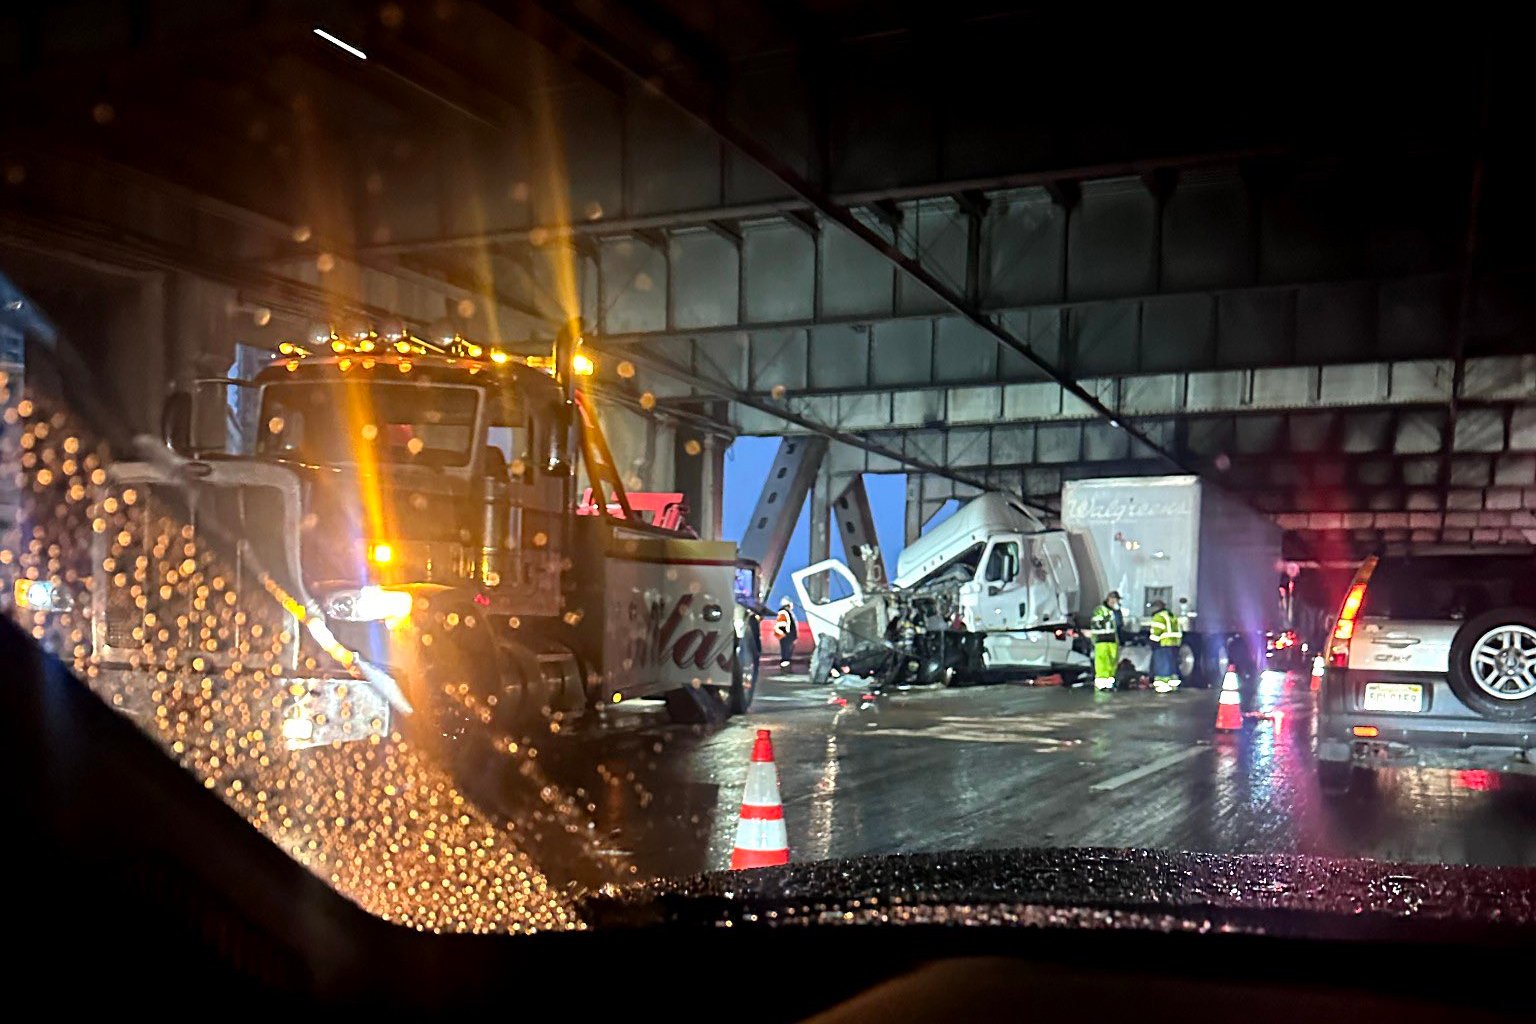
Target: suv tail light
{"x":1344,"y":625}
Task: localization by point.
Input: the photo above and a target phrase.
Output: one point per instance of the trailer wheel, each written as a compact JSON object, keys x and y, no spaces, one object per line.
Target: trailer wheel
{"x":1188,"y":662}
{"x":1207,"y":655}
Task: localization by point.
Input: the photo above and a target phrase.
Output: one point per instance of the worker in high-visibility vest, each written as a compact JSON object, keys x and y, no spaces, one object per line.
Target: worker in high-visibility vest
{"x":785,"y":627}
{"x":1104,"y":630}
{"x":1166,"y":635}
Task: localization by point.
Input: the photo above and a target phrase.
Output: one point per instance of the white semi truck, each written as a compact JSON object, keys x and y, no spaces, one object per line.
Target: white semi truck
{"x":1021,"y":589}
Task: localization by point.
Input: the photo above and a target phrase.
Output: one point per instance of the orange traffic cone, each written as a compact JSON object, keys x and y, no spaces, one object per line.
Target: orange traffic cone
{"x":1317,"y":672}
{"x":760,"y":836}
{"x":1229,"y":713}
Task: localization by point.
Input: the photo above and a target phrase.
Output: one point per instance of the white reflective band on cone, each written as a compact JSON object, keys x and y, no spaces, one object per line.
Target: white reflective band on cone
{"x":757,"y":834}
{"x":1229,"y":693}
{"x":762,"y":793}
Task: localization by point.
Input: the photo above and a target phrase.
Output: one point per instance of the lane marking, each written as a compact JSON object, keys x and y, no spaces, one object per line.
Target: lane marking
{"x":1150,"y":768}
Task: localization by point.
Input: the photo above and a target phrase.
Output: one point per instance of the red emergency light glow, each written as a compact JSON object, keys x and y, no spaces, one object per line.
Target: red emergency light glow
{"x":1479,"y":780}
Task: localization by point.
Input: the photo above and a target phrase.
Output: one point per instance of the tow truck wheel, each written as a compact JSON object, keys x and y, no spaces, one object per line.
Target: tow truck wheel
{"x":744,"y":670}
{"x":697,"y":705}
{"x":461,"y":646}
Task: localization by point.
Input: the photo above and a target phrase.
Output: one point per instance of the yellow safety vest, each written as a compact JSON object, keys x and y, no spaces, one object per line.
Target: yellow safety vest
{"x":1102,"y":627}
{"x":1164,"y":629}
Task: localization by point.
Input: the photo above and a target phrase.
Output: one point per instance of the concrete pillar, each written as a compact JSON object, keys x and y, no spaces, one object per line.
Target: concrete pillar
{"x":711,"y":487}
{"x":199,"y":327}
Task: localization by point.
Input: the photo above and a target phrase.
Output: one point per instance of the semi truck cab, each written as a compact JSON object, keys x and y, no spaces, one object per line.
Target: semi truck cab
{"x":993,"y":564}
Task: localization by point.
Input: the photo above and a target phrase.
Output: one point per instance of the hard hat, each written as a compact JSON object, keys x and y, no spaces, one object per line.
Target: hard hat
{"x":786,"y":603}
{"x":1158,"y":604}
{"x":1112,"y":594}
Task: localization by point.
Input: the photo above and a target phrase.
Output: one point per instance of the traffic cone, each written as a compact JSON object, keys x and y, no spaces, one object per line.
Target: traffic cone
{"x":760,"y":837}
{"x":1317,"y":672}
{"x":1229,"y":713}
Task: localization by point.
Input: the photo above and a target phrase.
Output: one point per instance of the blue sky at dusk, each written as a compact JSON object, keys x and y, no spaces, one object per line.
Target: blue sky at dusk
{"x":746,"y":467}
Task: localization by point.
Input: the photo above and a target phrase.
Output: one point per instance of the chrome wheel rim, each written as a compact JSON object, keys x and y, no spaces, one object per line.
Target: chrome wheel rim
{"x":1186,"y":661}
{"x":1503,"y":662}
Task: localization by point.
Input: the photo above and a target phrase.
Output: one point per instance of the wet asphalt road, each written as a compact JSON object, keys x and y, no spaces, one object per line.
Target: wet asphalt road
{"x":935,"y":769}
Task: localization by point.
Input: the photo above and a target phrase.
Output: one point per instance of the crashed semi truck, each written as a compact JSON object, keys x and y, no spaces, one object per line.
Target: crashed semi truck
{"x":412,"y":506}
{"x":995,"y":592}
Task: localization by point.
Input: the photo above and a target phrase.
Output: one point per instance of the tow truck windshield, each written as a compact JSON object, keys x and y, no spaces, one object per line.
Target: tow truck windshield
{"x":329,"y":423}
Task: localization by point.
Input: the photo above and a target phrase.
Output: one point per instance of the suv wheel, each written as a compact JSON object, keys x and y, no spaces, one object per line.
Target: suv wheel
{"x":1493,"y":664}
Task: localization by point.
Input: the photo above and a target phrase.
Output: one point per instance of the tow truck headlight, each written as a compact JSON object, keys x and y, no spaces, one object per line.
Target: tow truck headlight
{"x":369,"y":604}
{"x":42,"y":596}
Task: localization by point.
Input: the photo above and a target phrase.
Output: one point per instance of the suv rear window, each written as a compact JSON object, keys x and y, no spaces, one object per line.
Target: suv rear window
{"x":1449,"y":586}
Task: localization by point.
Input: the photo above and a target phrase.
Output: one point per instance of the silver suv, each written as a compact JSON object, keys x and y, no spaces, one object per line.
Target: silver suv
{"x":1432,"y":661}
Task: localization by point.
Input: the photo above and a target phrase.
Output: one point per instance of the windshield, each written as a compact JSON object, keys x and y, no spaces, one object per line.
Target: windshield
{"x":353,"y":422}
{"x":1449,"y":586}
{"x":421,"y":419}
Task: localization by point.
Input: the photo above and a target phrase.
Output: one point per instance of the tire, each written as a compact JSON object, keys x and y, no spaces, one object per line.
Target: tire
{"x":459,"y":655}
{"x":1209,"y":659}
{"x":743,"y":680}
{"x":1189,"y":662}
{"x":823,"y":656}
{"x":517,"y":710}
{"x":1481,"y":634}
{"x":1335,"y":778}
{"x":1245,"y":651}
{"x":701,"y":705}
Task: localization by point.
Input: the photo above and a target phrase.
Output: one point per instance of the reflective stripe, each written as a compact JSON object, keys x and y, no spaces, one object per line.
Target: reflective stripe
{"x":1164,"y":630}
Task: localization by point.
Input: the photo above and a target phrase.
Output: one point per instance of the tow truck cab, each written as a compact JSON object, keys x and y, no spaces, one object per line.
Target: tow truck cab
{"x":391,"y":482}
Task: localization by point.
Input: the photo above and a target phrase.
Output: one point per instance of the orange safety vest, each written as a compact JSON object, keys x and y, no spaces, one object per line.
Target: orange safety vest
{"x":783,"y":623}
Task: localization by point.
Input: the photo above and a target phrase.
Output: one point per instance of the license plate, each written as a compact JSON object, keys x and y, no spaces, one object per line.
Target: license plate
{"x":333,"y":710}
{"x":1394,"y":697}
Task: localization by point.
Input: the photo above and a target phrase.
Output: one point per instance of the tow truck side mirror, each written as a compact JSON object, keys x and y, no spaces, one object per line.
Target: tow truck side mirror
{"x":176,"y":422}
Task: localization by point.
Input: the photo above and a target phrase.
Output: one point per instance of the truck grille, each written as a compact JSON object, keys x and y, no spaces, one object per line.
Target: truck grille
{"x":178,"y":567}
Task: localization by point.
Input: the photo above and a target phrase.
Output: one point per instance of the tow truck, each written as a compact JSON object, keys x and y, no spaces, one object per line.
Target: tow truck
{"x":412,"y":505}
